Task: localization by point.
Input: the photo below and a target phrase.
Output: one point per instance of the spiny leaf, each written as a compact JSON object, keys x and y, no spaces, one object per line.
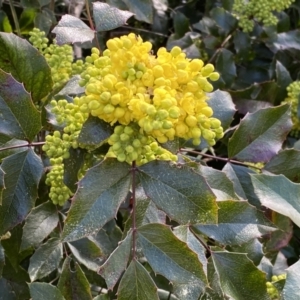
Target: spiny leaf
{"x":19,"y":118}
{"x":25,"y":64}
{"x":108,"y":17}
{"x":291,"y":290}
{"x":136,"y":284}
{"x":99,"y":195}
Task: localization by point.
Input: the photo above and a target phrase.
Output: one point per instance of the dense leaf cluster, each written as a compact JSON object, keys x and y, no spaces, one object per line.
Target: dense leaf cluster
{"x":219,"y":220}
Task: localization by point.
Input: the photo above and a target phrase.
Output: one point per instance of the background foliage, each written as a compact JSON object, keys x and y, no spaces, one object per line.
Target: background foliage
{"x":222,"y":223}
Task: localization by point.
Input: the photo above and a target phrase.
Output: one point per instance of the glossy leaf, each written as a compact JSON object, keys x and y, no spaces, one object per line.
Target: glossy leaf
{"x":285,"y":41}
{"x":7,"y":290}
{"x":22,"y":175}
{"x":240,"y":176}
{"x":115,"y":265}
{"x":180,"y":192}
{"x":225,"y":20}
{"x":94,"y":131}
{"x":25,"y":64}
{"x":242,"y":271}
{"x":73,"y":283}
{"x":45,"y":291}
{"x":226,"y":67}
{"x":291,"y":290}
{"x":287,"y":163}
{"x":39,"y":224}
{"x":223,"y":107}
{"x":241,"y":42}
{"x":72,"y":30}
{"x":278,"y":193}
{"x":72,"y":87}
{"x":170,"y":257}
{"x":45,"y":259}
{"x":19,"y":118}
{"x":99,"y":195}
{"x":219,"y":183}
{"x":238,"y":223}
{"x":181,"y":24}
{"x":108,"y":17}
{"x":87,"y":253}
{"x":260,"y":135}
{"x":136,"y":284}
{"x":10,"y":147}
{"x":142,"y":9}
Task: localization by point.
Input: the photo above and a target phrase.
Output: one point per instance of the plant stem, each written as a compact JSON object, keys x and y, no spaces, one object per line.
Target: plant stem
{"x":92,"y":23}
{"x":23,"y":145}
{"x":226,"y":159}
{"x":220,"y":48}
{"x":14,"y":15}
{"x":133,"y":214}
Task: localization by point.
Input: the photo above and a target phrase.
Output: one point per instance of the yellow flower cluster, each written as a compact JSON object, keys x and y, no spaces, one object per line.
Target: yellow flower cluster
{"x":165,"y":95}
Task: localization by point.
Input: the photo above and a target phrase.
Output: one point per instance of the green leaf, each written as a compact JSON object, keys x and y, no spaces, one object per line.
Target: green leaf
{"x":278,"y":193}
{"x":2,"y":184}
{"x":94,"y":132}
{"x":73,"y":283}
{"x":225,"y":20}
{"x":99,"y":195}
{"x":238,"y":223}
{"x":285,"y":41}
{"x":287,"y":163}
{"x":260,"y":135}
{"x":44,"y":20}
{"x":136,"y":284}
{"x":142,"y":9}
{"x":4,"y":22}
{"x":223,"y":107}
{"x":172,"y":258}
{"x":179,"y":191}
{"x":108,"y":17}
{"x":39,"y":224}
{"x":115,"y":265}
{"x":240,"y":279}
{"x":283,"y":76}
{"x":242,"y":43}
{"x":27,"y":20}
{"x":2,"y":260}
{"x":72,"y":30}
{"x":226,"y":67}
{"x":19,"y":118}
{"x":219,"y":183}
{"x":45,"y":259}
{"x":22,"y":175}
{"x":72,"y":87}
{"x":186,"y":235}
{"x":25,"y":64}
{"x":45,"y":291}
{"x":87,"y":253}
{"x":240,"y":176}
{"x":6,"y":289}
{"x":291,"y":290}
{"x":181,"y":24}
{"x":10,"y":147}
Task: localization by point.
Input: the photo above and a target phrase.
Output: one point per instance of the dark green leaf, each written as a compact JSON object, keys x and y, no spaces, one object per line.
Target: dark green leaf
{"x":291,"y":290}
{"x":72,"y":87}
{"x":44,"y":20}
{"x":2,"y":260}
{"x":99,"y":195}
{"x":27,"y":20}
{"x":72,"y":30}
{"x":45,"y":259}
{"x":172,"y":258}
{"x":184,"y":234}
{"x":179,"y":191}
{"x":94,"y":132}
{"x":240,"y":176}
{"x":116,"y":263}
{"x":108,"y":17}
{"x":278,"y":193}
{"x":6,"y":289}
{"x":39,"y":224}
{"x":242,"y":42}
{"x":25,"y":64}
{"x":73,"y":283}
{"x":226,"y":67}
{"x":219,"y":183}
{"x":223,"y":107}
{"x":22,"y":175}
{"x":285,"y":41}
{"x":225,"y":20}
{"x":260,"y":135}
{"x":238,"y":223}
{"x":136,"y":284}
{"x":71,"y":167}
{"x":19,"y":118}
{"x":181,"y":24}
{"x":10,"y":147}
{"x":240,"y":279}
{"x":283,"y":76}
{"x":286,"y":162}
{"x":45,"y":291}
{"x":87,"y":253}
{"x":2,"y":184}
{"x":142,"y":9}
{"x":30,"y":3}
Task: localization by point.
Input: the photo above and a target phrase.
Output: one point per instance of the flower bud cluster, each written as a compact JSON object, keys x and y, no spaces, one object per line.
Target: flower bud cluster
{"x":260,"y":10}
{"x":271,"y":289}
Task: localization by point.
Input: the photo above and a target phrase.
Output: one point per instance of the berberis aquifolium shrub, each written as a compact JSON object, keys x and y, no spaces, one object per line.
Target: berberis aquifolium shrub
{"x":128,"y":175}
